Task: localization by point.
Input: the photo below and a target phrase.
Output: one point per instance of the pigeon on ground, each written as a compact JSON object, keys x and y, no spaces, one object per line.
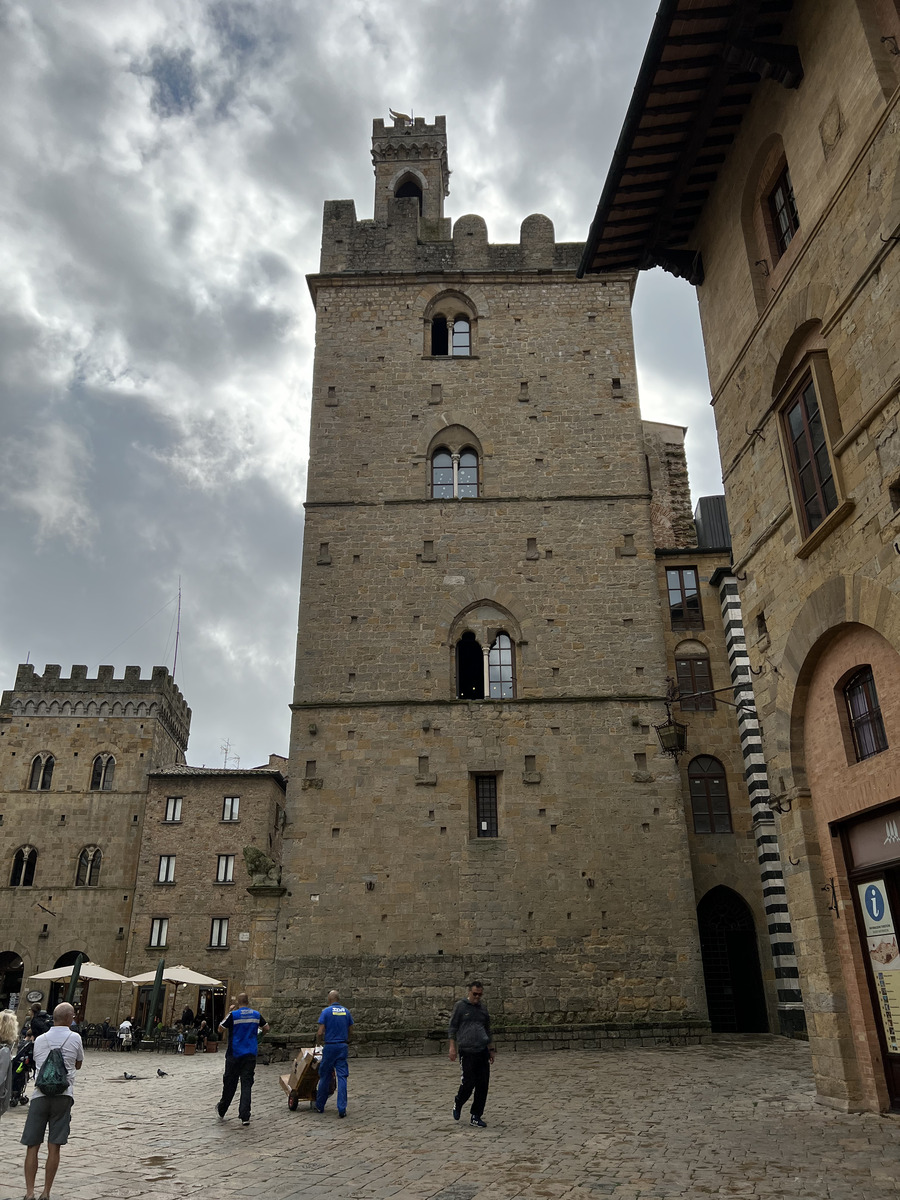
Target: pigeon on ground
{"x":162,"y":1074}
{"x":127,"y":1076}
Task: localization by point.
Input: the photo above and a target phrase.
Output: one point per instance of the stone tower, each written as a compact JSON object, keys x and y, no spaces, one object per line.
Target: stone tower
{"x":473,"y":786}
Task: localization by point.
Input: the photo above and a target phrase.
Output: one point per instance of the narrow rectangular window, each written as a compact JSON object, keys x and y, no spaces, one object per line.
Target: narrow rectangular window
{"x":166,"y":873}
{"x":173,"y":808}
{"x":864,"y":711}
{"x":486,"y":806}
{"x":231,"y":807}
{"x":694,"y":684}
{"x":783,"y":211}
{"x":218,"y":932}
{"x":684,"y":598}
{"x":225,"y":869}
{"x":159,"y":931}
{"x":810,"y":464}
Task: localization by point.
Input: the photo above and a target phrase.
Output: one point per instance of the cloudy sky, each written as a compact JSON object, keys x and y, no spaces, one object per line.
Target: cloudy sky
{"x":163,"y":165}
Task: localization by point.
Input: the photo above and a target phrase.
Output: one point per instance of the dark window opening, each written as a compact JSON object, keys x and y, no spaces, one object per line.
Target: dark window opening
{"x":694,"y":677}
{"x":811,"y":466}
{"x":439,"y":337}
{"x":684,"y":598}
{"x":783,"y":211}
{"x":409,"y":188}
{"x":88,"y":873}
{"x":24,"y":863}
{"x":709,"y":796}
{"x":41,"y":773}
{"x":866,"y":724}
{"x":486,"y":806}
{"x":102,"y":773}
{"x":469,"y":668}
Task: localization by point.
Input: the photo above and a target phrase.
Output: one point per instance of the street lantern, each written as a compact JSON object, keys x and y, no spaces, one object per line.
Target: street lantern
{"x":672,"y":735}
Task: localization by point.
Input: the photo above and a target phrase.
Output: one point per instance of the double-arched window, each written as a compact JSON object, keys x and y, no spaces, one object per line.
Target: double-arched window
{"x":450,"y":327}
{"x":88,"y":871}
{"x":41,"y":772}
{"x":454,"y":476}
{"x":485,"y":670}
{"x":24,"y":863}
{"x":103,"y":773}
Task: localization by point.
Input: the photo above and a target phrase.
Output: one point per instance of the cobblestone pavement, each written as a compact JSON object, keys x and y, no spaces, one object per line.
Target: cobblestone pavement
{"x":735,"y":1117}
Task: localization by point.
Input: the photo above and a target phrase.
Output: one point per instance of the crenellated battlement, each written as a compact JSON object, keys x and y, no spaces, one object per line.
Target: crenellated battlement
{"x":52,"y":694}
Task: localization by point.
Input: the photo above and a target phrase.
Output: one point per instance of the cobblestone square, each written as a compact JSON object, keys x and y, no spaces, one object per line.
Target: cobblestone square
{"x":733,"y":1117}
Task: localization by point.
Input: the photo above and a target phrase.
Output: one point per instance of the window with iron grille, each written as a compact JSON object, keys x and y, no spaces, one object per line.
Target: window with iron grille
{"x":225,"y":869}
{"x":231,"y":807}
{"x":810,"y":463}
{"x":218,"y":932}
{"x":159,"y":931}
{"x":694,"y":677}
{"x":684,"y":598}
{"x":486,"y":806}
{"x":709,"y":795}
{"x":173,"y":808}
{"x":783,"y":211}
{"x":864,"y":711}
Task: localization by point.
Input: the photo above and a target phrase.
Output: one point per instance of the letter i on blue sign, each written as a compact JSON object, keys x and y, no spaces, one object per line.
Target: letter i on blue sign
{"x":874,"y":902}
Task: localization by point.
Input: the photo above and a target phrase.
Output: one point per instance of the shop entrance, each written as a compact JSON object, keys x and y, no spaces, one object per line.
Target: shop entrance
{"x":734,"y":986}
{"x":872,"y":852}
{"x":11,"y":971}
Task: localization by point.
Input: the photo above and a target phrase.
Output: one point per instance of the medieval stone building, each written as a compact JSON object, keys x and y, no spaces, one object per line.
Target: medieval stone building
{"x":759,"y":159}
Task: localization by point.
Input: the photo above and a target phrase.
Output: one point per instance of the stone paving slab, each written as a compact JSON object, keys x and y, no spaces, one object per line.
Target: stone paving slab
{"x":736,"y":1117}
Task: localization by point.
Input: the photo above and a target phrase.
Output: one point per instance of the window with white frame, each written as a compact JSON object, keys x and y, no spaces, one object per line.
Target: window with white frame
{"x":173,"y":809}
{"x":218,"y":933}
{"x":225,"y":869}
{"x":231,"y":807}
{"x":166,"y":873}
{"x":159,"y":931}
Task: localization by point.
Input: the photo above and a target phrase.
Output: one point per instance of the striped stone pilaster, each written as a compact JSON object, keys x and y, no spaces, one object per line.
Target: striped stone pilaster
{"x":791,"y":1016}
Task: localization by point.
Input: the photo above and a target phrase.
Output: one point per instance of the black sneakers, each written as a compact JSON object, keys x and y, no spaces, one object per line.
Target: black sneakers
{"x":478,"y":1123}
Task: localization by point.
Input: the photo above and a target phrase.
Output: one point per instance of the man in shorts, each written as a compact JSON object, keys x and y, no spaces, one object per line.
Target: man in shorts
{"x":52,"y":1111}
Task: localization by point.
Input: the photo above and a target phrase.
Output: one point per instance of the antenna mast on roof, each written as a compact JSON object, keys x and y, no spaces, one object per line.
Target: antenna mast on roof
{"x":177,"y":629}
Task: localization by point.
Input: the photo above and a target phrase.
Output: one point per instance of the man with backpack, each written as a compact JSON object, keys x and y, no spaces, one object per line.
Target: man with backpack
{"x":58,"y":1054}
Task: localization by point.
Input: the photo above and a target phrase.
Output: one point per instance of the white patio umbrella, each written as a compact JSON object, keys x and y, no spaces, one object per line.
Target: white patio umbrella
{"x":88,"y":970}
{"x":176,"y":975}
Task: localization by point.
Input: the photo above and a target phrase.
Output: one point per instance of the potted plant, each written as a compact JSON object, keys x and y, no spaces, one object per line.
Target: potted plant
{"x":212,"y":1042}
{"x":190,"y":1042}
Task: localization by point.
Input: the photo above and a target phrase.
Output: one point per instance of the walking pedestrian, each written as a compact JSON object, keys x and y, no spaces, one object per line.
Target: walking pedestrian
{"x":9,"y":1037}
{"x":52,"y":1111}
{"x":243,"y":1026}
{"x":335,"y":1023}
{"x":471,"y":1042}
{"x":39,"y":1021}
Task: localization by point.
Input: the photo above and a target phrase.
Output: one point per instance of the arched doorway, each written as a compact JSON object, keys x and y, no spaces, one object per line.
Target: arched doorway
{"x":58,"y":990}
{"x":11,"y":971}
{"x":734,"y":987}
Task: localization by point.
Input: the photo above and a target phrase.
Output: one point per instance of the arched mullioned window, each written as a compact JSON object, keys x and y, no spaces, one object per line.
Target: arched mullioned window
{"x":103,"y":773}
{"x":709,"y":795}
{"x":450,"y":327}
{"x":864,"y":712}
{"x":88,"y":872}
{"x":454,"y":476}
{"x":24,"y":863}
{"x":41,"y":772}
{"x":479,"y":674}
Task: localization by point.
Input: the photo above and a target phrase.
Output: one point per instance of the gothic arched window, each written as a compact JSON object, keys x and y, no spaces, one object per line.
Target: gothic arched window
{"x":709,"y":795}
{"x":454,"y":476}
{"x":469,"y":668}
{"x":41,"y":772}
{"x":450,"y":327}
{"x":501,"y":677}
{"x":24,"y":863}
{"x":409,"y":187}
{"x":88,"y":873}
{"x":103,"y":773}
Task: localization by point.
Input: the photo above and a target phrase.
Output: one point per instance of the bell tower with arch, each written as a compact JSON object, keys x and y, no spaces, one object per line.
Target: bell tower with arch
{"x":473,"y":785}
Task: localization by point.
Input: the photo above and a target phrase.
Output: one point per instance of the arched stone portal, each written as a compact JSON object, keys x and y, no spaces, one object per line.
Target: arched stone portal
{"x":734,"y":987}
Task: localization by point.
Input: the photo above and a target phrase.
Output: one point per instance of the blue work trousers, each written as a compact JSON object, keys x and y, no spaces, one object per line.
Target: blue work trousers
{"x":334,"y":1058}
{"x":238,"y":1069}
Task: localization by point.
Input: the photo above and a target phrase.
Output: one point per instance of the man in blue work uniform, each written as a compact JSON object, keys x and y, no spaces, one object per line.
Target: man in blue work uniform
{"x":334,"y":1031}
{"x":243,"y":1026}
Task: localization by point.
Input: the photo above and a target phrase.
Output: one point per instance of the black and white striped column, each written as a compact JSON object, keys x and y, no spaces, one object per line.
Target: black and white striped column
{"x":791,"y":1016}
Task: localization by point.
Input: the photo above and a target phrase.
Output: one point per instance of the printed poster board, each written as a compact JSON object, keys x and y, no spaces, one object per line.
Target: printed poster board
{"x":884,"y":956}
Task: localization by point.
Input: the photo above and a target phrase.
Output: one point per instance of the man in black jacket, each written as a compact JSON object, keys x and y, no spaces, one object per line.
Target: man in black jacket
{"x":471,"y":1042}
{"x":40,"y":1021}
